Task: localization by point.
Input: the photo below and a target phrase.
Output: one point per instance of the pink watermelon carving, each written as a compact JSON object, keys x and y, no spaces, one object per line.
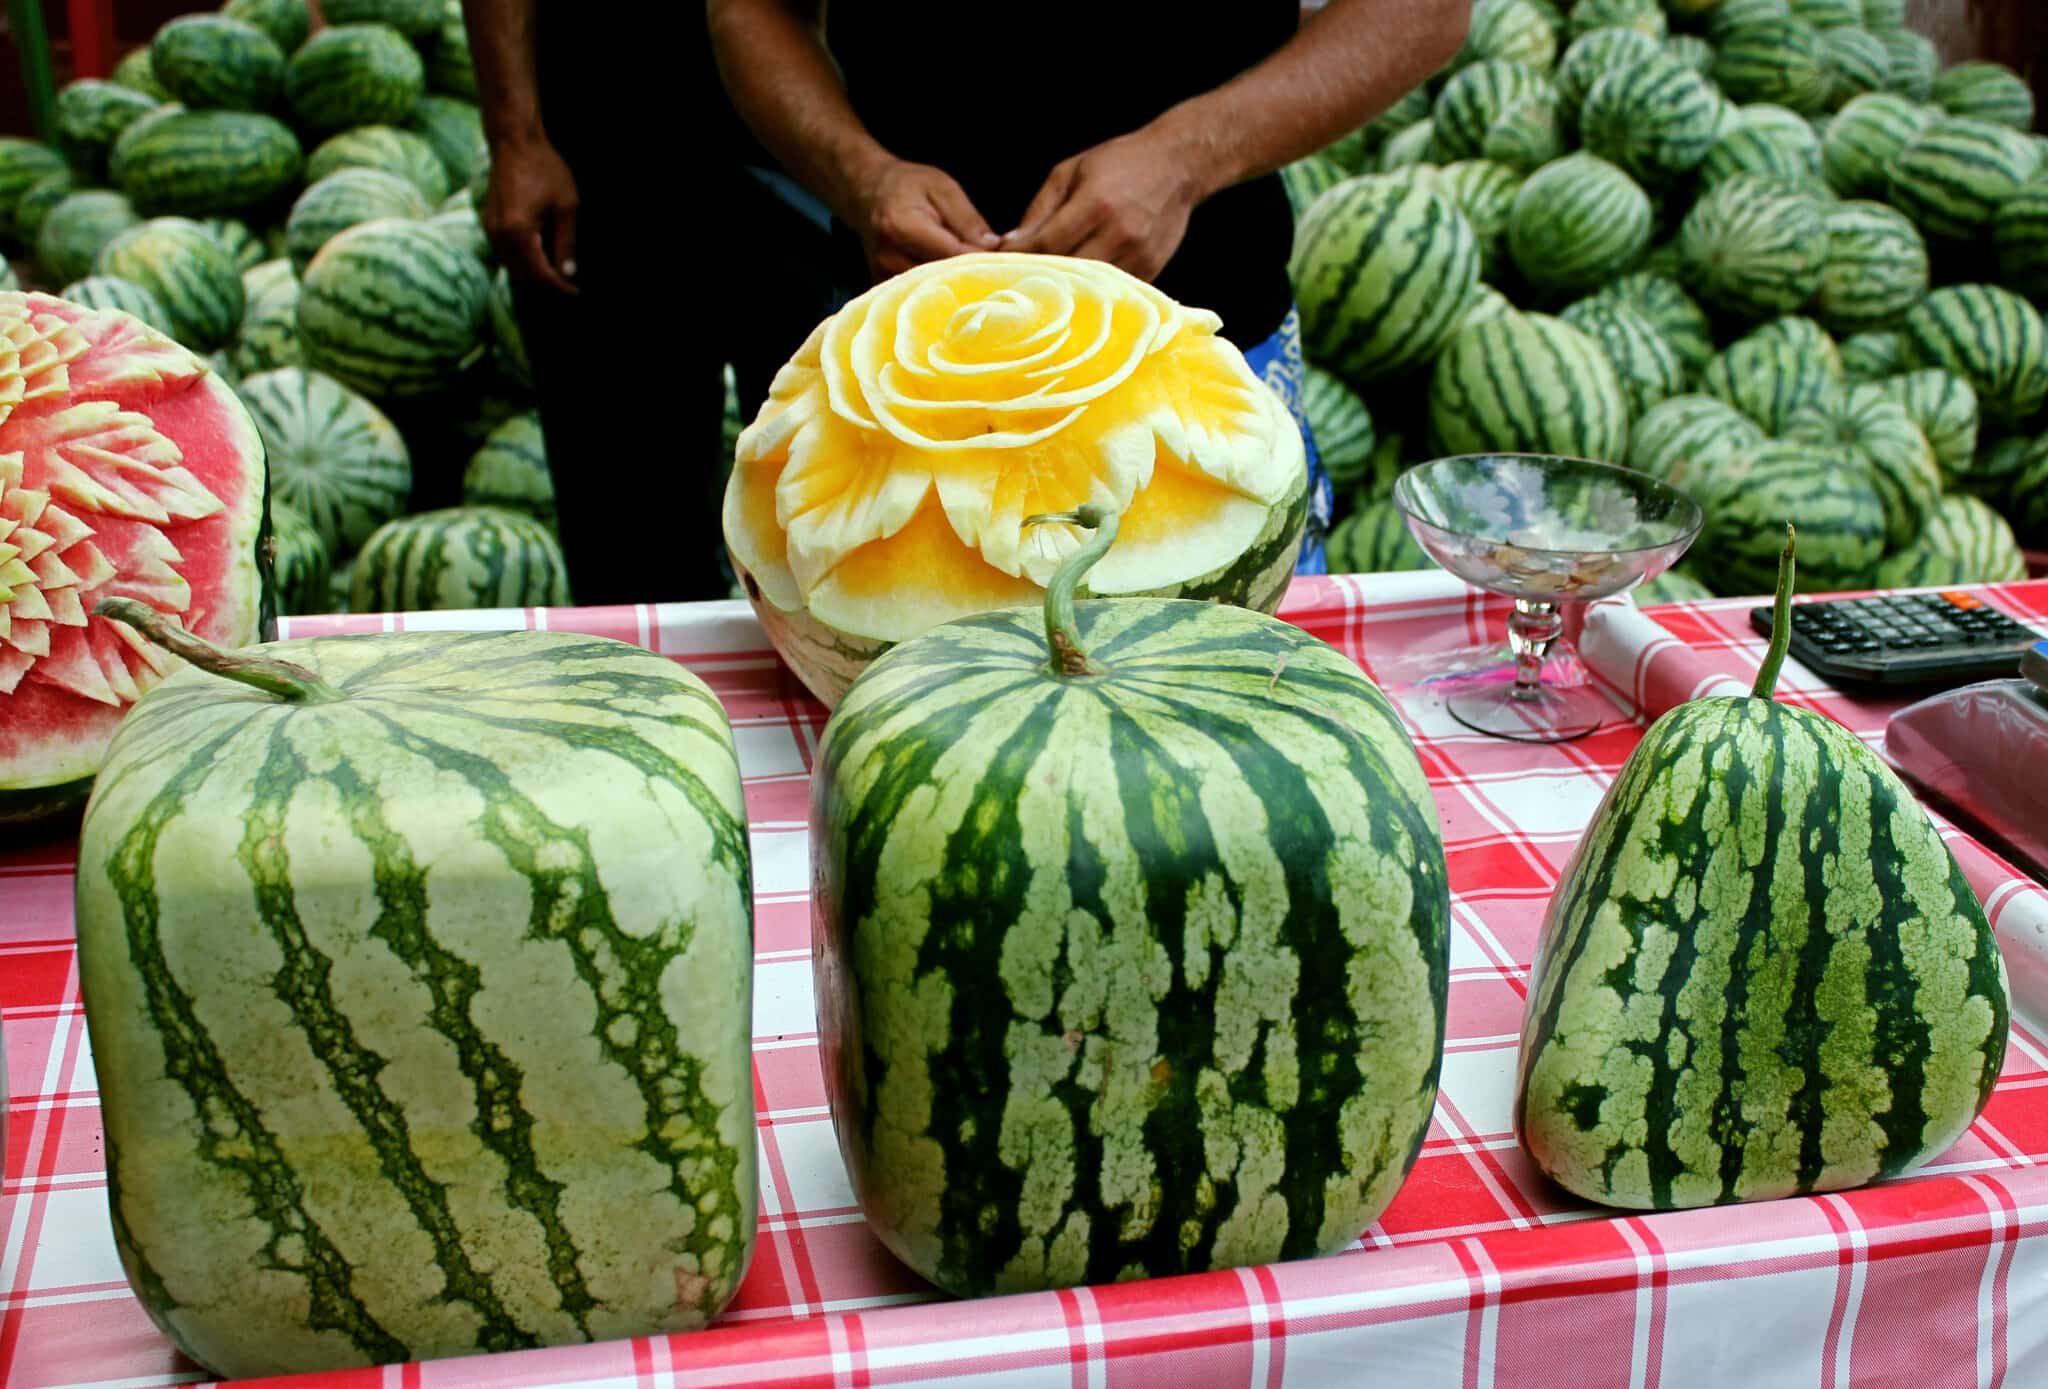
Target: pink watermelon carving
{"x":127,"y":469}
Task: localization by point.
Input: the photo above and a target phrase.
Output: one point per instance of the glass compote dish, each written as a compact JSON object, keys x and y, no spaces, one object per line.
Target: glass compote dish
{"x":1544,"y":532}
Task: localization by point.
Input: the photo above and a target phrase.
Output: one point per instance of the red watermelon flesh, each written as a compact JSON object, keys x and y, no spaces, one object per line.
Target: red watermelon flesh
{"x":127,"y":469}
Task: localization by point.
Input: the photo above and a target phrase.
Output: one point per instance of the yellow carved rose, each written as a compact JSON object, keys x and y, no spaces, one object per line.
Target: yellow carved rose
{"x":882,"y":489}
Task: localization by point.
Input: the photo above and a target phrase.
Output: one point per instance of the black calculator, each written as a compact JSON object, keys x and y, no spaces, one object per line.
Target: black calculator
{"x":1910,"y":639}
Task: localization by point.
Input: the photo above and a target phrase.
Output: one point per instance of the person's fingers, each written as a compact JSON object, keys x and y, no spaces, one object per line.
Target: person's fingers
{"x":564,"y":223}
{"x":1050,"y":195}
{"x":917,"y":233}
{"x":959,"y":215}
{"x":530,"y":259}
{"x":1070,"y":225}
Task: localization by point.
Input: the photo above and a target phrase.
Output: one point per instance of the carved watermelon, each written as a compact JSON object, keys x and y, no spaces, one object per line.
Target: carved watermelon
{"x":127,"y":470}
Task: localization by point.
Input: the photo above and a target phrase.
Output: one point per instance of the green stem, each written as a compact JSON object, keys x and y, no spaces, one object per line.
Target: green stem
{"x":1781,"y":623}
{"x":292,"y":683}
{"x":1060,"y":633}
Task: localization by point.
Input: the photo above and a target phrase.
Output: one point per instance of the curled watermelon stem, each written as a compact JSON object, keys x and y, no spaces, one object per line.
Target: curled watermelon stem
{"x":1781,"y":622}
{"x":1068,"y":659}
{"x":292,"y":683}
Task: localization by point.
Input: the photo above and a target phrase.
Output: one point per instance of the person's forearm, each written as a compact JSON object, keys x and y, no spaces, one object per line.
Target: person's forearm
{"x":503,"y":46}
{"x":1349,"y":63}
{"x":785,"y":88}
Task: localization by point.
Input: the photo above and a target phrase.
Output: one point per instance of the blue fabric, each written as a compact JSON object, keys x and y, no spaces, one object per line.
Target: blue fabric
{"x":1278,"y":362}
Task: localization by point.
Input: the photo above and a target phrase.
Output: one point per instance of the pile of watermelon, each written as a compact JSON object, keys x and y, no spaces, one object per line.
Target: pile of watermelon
{"x":1766,"y":249}
{"x":301,"y":208}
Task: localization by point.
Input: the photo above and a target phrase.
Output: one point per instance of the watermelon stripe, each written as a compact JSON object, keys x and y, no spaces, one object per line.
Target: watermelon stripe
{"x":250,"y":1148}
{"x":1116,"y":1096}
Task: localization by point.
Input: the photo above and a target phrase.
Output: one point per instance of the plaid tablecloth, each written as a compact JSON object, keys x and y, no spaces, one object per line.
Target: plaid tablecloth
{"x":1479,"y":1274}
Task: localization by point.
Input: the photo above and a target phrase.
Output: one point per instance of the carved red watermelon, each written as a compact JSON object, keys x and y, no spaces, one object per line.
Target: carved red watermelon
{"x":127,"y":469}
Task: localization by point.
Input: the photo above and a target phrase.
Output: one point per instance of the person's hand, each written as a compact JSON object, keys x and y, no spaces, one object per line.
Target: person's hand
{"x":907,"y":214}
{"x":530,"y":213}
{"x":1125,"y":201}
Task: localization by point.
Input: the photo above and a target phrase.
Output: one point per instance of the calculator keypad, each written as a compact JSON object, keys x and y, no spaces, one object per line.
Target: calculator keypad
{"x":1911,"y":637}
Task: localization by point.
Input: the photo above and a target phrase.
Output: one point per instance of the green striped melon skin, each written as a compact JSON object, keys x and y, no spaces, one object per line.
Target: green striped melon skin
{"x":354,"y":74}
{"x":1952,"y":179}
{"x":269,"y":336}
{"x":511,"y":471}
{"x":450,"y":68}
{"x":457,"y":224}
{"x":90,"y":115}
{"x":1986,"y":92}
{"x":1915,"y":63}
{"x":459,"y":557}
{"x":1485,"y":192}
{"x":1692,"y":51}
{"x":36,"y":205}
{"x":343,"y":199}
{"x":1880,"y":15}
{"x":1871,"y":357}
{"x":1308,"y":179}
{"x":23,"y":164}
{"x":186,"y":271}
{"x":1382,"y":270}
{"x":941,"y":755}
{"x":1649,"y":368}
{"x":1787,"y":126}
{"x":288,"y":22}
{"x":112,"y":292}
{"x":334,"y":457}
{"x":1861,"y":426}
{"x":1479,"y":96}
{"x":1675,"y":315}
{"x":391,"y":309}
{"x":212,"y":62}
{"x":1643,"y":16}
{"x":1528,"y":383}
{"x":508,"y":341}
{"x":1411,"y":147}
{"x":1990,"y":337}
{"x":1970,"y":532}
{"x":1829,"y":14}
{"x":1753,"y":247}
{"x":204,"y":163}
{"x":1655,"y":119}
{"x":1769,"y":378}
{"x":2019,"y":231}
{"x":1865,"y":137}
{"x":1857,"y":63}
{"x":1748,"y":150}
{"x":1672,"y":586}
{"x":1593,"y":56}
{"x":1876,"y":271}
{"x":1525,"y":138}
{"x":1576,"y":223}
{"x":400,"y":152}
{"x":77,"y":229}
{"x":1374,"y":539}
{"x":1945,"y":407}
{"x":265,"y":276}
{"x":1688,"y":433}
{"x":1806,"y":336}
{"x":1827,"y":895}
{"x":454,"y":129}
{"x":136,"y":73}
{"x":2029,"y":507}
{"x":1510,"y":30}
{"x":416,"y":19}
{"x":431,"y":1103}
{"x":1782,"y":61}
{"x":1341,"y":425}
{"x":301,"y":566}
{"x":1729,"y":15}
{"x":1749,"y":500}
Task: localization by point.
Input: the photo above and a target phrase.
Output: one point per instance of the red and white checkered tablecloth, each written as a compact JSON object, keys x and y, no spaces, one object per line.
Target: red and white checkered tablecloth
{"x":1479,"y":1274}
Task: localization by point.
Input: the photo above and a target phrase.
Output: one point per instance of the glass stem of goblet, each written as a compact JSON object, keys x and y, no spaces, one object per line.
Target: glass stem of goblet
{"x":1532,"y":627}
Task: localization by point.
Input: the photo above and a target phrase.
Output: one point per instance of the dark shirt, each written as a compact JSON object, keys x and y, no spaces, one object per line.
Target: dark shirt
{"x":997,"y":94}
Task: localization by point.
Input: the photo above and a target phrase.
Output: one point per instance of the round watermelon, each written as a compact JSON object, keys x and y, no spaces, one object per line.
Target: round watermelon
{"x":355,"y":74}
{"x":459,"y":557}
{"x":202,"y":163}
{"x":402,"y":152}
{"x":77,"y":229}
{"x":190,"y":274}
{"x":344,"y":199}
{"x":389,"y":308}
{"x":334,"y":457}
{"x":211,"y":61}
